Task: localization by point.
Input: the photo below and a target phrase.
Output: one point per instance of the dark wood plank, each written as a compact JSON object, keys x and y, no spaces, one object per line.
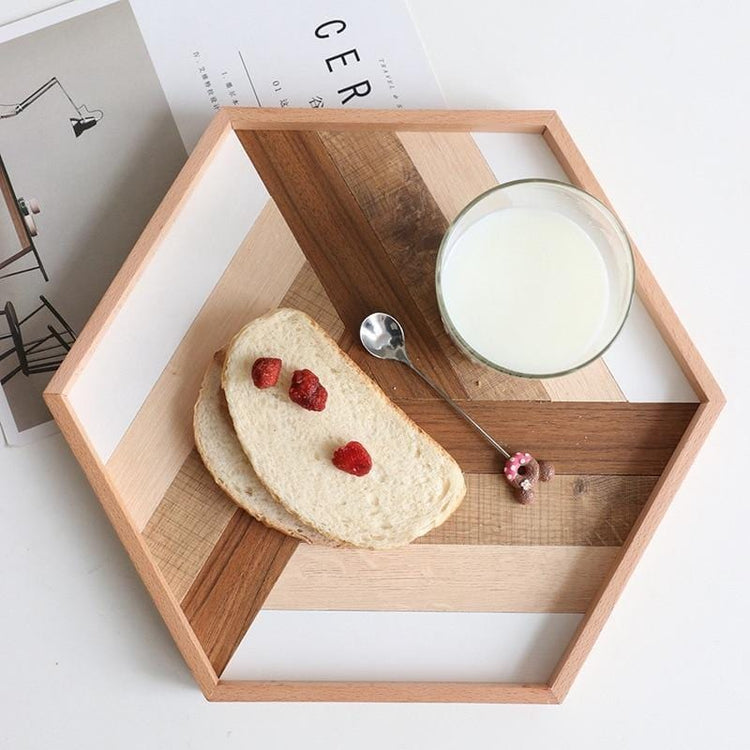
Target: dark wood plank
{"x":337,"y":239}
{"x":307,"y":294}
{"x":233,"y":584}
{"x":579,"y":437}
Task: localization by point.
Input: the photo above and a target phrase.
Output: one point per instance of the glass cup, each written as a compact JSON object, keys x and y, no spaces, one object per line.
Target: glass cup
{"x":543,"y":201}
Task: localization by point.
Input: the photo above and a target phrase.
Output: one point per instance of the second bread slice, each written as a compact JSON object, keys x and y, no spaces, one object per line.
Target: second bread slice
{"x":225,"y":460}
{"x":414,"y":484}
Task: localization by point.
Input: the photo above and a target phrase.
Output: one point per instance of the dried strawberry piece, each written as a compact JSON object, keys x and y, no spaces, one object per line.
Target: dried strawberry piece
{"x":266,"y":371}
{"x":307,"y":391}
{"x":352,"y":458}
{"x":317,"y":402}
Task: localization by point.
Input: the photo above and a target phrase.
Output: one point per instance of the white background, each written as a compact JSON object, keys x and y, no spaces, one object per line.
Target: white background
{"x":656,"y":96}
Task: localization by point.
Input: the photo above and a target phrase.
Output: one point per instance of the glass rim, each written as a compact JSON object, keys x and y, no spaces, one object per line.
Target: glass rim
{"x":448,"y":322}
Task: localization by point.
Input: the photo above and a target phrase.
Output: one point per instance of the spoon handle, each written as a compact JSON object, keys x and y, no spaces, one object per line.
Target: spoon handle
{"x":435,"y":387}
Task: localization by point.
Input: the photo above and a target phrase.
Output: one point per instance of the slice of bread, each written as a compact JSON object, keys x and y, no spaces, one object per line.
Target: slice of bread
{"x":414,"y":484}
{"x":227,"y":463}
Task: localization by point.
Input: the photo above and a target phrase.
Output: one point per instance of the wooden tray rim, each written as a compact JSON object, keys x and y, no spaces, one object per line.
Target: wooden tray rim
{"x":543,"y":122}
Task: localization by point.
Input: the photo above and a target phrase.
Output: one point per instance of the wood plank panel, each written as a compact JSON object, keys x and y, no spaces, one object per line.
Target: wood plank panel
{"x":187,"y":524}
{"x":382,"y":692}
{"x":444,"y":578}
{"x":409,"y":222}
{"x":580,"y":438}
{"x":455,"y":172}
{"x":596,"y":511}
{"x":307,"y":294}
{"x":451,"y":166}
{"x":339,"y":242}
{"x":161,"y":436}
{"x":233,"y":584}
{"x":592,"y":383}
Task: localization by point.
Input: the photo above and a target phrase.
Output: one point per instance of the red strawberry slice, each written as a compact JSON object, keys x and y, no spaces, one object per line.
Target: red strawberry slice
{"x":352,"y":458}
{"x":307,"y":392}
{"x":266,"y":372}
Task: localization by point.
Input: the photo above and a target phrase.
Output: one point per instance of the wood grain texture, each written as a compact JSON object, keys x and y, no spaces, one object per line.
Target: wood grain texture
{"x":233,"y":584}
{"x":701,"y":380}
{"x":410,"y":224}
{"x":451,"y":166}
{"x":382,"y":692}
{"x":187,"y":524}
{"x":160,"y":437}
{"x":444,"y":578}
{"x":591,"y":383}
{"x":346,"y":254}
{"x":307,"y":294}
{"x":569,"y":510}
{"x":245,"y":119}
{"x":579,"y":438}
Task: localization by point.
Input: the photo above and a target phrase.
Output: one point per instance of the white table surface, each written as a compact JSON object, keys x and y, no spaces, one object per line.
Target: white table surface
{"x":656,"y":96}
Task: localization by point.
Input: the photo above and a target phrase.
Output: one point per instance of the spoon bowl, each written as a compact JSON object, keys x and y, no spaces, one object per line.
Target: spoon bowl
{"x":383,"y":337}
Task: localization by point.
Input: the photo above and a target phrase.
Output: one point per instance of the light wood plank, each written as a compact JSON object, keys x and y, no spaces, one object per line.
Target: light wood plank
{"x":452,"y":167}
{"x":445,"y":578}
{"x":591,"y":383}
{"x":161,"y":436}
{"x":584,"y":511}
{"x":640,"y":535}
{"x":307,"y":294}
{"x":289,"y":118}
{"x":382,"y":692}
{"x":187,"y":524}
{"x":16,"y":217}
{"x":569,"y":510}
{"x":186,"y":527}
{"x":702,"y":382}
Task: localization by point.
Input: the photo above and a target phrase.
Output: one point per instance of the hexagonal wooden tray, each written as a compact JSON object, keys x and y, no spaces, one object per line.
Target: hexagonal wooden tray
{"x":359,"y":202}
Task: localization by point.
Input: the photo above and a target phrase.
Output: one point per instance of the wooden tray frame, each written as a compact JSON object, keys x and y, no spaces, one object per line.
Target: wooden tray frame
{"x":550,"y":127}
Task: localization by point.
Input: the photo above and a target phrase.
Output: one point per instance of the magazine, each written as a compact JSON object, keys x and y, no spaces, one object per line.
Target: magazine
{"x":101,"y":106}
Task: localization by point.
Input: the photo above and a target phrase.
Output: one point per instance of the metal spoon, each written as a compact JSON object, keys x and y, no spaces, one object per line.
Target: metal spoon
{"x":383,"y":337}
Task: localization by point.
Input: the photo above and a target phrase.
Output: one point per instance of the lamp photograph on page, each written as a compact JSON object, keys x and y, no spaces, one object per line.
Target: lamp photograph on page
{"x":105,"y":102}
{"x":87,"y":149}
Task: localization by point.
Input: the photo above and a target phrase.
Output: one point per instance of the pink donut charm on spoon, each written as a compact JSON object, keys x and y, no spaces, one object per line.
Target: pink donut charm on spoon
{"x":523,"y":471}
